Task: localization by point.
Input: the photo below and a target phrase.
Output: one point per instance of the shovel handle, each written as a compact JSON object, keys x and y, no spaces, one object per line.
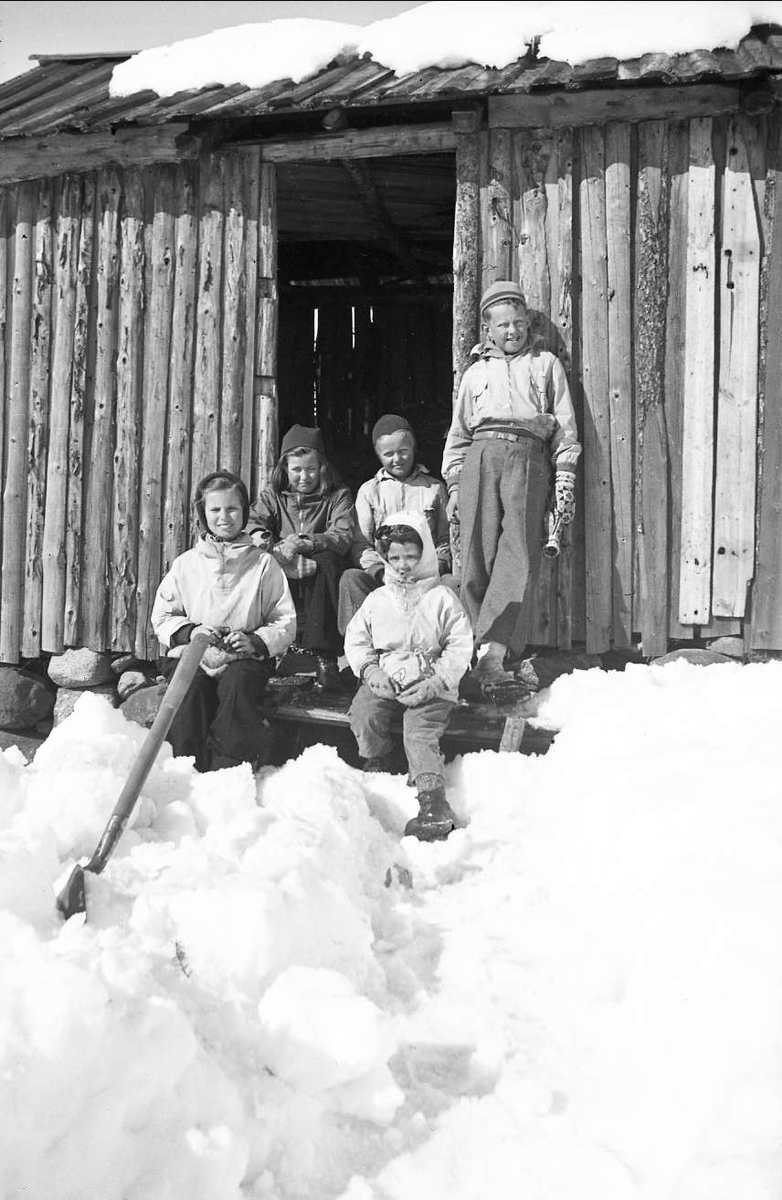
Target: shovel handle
{"x":172,"y":701}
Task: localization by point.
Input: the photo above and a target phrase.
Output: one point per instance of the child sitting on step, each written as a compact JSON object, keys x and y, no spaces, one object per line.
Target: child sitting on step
{"x":402,"y":483}
{"x":237,"y":594}
{"x":310,"y":520}
{"x":409,"y":644}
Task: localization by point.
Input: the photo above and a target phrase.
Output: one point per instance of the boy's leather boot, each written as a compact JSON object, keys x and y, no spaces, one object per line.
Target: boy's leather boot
{"x":435,"y":818}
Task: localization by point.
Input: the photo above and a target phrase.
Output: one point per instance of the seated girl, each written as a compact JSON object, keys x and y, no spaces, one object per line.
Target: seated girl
{"x":309,"y":520}
{"x":228,"y":588}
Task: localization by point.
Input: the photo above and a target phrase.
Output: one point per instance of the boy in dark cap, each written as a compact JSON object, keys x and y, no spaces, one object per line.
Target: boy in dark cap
{"x":513,"y":422}
{"x":401,"y":484}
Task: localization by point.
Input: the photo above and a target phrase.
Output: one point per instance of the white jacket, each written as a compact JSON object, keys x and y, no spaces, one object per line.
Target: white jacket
{"x":231,"y":584}
{"x":412,"y":629}
{"x":528,"y":390}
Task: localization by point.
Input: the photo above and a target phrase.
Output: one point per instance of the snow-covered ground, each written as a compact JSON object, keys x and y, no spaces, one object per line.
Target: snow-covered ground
{"x":579,"y":999}
{"x":444,"y":33}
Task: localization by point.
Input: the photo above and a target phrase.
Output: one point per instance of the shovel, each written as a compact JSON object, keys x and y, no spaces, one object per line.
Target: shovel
{"x":72,"y":898}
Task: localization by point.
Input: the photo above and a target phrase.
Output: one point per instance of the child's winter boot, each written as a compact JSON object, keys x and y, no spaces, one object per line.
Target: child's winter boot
{"x":435,"y":818}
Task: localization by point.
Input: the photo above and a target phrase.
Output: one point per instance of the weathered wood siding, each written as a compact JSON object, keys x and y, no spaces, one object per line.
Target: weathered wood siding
{"x":650,"y":255}
{"x":130,"y":322}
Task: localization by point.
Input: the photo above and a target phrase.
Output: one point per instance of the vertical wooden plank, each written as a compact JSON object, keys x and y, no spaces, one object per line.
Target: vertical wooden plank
{"x":765,"y":632}
{"x":739,"y":297}
{"x":251,"y":165}
{"x":157,"y":355}
{"x":130,"y":349}
{"x":620,"y":373}
{"x":266,"y":370}
{"x":5,"y":254}
{"x":597,"y":424}
{"x":675,"y":337}
{"x":698,"y":413}
{"x":15,"y":481}
{"x":38,"y":435}
{"x":54,"y":553}
{"x":651,"y":291}
{"x":466,"y":242}
{"x":177,"y":465}
{"x":534,"y":157}
{"x":496,"y":210}
{"x":81,"y":317}
{"x":234,"y":318}
{"x":207,"y":378}
{"x":99,"y":476}
{"x":559,"y":234}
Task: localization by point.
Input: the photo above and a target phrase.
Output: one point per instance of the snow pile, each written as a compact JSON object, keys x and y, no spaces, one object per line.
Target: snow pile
{"x":580,"y":997}
{"x":491,"y":33}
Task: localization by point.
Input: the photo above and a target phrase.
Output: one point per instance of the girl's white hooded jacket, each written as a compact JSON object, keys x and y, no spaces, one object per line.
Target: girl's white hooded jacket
{"x":412,"y":629}
{"x":225,"y":584}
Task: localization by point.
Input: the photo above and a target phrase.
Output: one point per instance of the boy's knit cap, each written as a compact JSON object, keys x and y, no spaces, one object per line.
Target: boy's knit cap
{"x":302,"y":435}
{"x":390,"y":423}
{"x":502,"y":289}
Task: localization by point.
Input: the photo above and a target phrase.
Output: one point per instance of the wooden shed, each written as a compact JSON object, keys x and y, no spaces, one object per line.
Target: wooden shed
{"x":182,"y":278}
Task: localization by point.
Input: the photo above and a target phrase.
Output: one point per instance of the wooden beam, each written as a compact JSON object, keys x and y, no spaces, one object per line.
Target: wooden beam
{"x":54,"y":154}
{"x":597,"y":411}
{"x":373,"y":206}
{"x":651,"y":289}
{"x":391,"y":140}
{"x":699,"y":356}
{"x":620,"y":371}
{"x":766,"y":631}
{"x":555,"y":110}
{"x":737,"y":393}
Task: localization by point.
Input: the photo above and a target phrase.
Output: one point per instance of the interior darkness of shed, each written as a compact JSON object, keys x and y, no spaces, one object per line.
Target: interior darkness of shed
{"x":365,"y":279}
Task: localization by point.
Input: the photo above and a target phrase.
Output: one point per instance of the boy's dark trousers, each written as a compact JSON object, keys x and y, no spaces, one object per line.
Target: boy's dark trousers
{"x":375,"y":720}
{"x":219,"y":723}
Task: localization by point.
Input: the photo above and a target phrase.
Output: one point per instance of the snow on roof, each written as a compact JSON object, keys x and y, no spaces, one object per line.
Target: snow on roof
{"x":491,"y":33}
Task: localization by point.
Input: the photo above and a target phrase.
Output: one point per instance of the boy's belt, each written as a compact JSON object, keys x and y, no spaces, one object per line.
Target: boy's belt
{"x":504,"y":435}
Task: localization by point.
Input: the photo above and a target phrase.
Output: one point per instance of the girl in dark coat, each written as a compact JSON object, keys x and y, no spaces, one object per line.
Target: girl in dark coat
{"x":309,"y":521}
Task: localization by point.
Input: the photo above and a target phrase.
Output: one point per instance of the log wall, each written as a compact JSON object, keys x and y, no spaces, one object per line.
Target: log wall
{"x":130,"y":323}
{"x":650,"y":254}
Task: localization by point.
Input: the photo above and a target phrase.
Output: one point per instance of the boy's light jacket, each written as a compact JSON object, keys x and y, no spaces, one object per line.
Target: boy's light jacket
{"x":412,"y":629}
{"x":231,"y":584}
{"x":529,"y":390}
{"x":383,"y":494}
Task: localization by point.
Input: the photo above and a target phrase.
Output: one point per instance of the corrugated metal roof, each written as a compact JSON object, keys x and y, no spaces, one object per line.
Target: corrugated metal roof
{"x":73,"y":93}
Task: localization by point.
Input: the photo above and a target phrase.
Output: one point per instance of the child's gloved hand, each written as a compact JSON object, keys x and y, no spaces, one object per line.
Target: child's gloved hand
{"x":262,"y":538}
{"x":214,"y":636}
{"x":420,"y":692}
{"x":303,"y":545}
{"x":565,"y":495}
{"x":287,"y":549}
{"x":378,"y":682}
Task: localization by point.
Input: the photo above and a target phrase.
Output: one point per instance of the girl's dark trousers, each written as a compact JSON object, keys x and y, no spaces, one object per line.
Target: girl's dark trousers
{"x":220,"y":723}
{"x":316,"y":599}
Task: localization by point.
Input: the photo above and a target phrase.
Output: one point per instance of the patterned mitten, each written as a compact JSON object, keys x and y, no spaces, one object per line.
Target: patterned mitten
{"x":565,"y":496}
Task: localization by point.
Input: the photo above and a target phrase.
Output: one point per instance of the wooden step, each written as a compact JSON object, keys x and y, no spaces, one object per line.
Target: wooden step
{"x":485,"y":725}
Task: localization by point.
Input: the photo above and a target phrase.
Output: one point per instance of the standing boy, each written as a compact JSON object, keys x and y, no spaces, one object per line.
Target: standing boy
{"x":401,"y":484}
{"x":409,"y":644}
{"x":513,"y":421}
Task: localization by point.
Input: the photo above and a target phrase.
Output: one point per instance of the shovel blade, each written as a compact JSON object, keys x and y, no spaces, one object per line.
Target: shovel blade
{"x":72,"y":899}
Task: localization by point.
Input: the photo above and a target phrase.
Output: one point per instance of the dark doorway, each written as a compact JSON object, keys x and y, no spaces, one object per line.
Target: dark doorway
{"x":365,"y":279}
